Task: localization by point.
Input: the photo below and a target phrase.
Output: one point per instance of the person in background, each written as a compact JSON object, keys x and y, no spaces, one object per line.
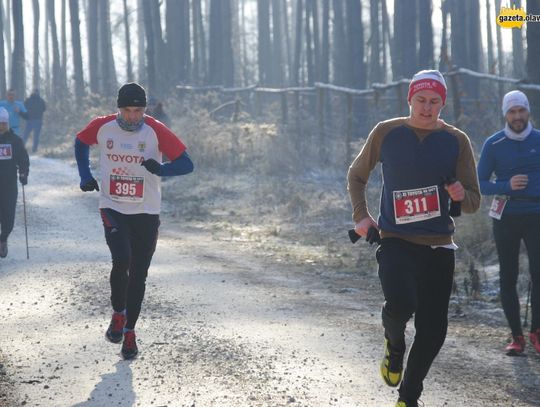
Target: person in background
{"x":16,"y":110}
{"x":425,"y":164}
{"x":13,"y":158}
{"x":155,"y":109}
{"x":513,"y":156}
{"x":131,"y":145}
{"x":36,"y":106}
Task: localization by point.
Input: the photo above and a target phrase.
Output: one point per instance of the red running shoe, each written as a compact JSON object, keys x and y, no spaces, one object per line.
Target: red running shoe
{"x":115,"y":331}
{"x":535,"y":339}
{"x":516,"y":347}
{"x":129,"y":347}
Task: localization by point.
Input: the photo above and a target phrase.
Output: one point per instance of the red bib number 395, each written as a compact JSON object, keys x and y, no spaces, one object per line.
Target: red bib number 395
{"x":414,"y":205}
{"x":126,"y":188}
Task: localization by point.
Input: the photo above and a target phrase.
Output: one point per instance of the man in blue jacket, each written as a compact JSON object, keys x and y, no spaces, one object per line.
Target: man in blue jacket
{"x":513,"y":156}
{"x":15,"y":109}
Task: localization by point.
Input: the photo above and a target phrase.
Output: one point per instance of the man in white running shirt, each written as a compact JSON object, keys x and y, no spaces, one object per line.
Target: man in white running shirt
{"x":131,"y":145}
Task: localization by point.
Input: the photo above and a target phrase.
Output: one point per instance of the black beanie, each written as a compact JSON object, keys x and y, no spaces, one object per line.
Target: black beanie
{"x":131,"y":94}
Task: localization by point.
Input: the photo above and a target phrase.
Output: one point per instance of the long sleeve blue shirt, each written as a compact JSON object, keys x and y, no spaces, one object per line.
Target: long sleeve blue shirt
{"x":504,"y":158}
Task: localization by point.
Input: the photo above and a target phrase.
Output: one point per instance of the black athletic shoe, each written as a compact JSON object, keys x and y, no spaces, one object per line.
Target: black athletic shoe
{"x":115,"y":331}
{"x":129,"y":347}
{"x":3,"y":249}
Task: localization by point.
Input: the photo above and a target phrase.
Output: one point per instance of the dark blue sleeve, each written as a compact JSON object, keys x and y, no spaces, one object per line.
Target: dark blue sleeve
{"x":181,"y":166}
{"x":486,"y":166}
{"x":82,"y":155}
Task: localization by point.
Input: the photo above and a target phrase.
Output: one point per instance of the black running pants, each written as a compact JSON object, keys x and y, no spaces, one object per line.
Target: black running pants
{"x":132,"y":241}
{"x":508,"y":233}
{"x":416,"y":280}
{"x":8,"y":204}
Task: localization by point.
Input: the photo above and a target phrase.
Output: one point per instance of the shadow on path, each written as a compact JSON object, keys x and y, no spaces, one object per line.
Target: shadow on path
{"x":114,"y":389}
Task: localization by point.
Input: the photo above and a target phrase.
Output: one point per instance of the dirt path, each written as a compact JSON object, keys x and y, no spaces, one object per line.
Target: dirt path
{"x":222,"y":324}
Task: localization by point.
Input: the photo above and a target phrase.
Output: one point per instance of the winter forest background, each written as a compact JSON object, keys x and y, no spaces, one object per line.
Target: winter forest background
{"x":273,"y":97}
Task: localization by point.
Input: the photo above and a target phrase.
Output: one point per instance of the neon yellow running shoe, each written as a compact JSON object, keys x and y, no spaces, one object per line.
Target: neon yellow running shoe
{"x":392,"y":365}
{"x":403,"y":403}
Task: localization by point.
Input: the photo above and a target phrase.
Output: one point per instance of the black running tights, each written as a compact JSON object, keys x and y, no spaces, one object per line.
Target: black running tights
{"x":416,"y":280}
{"x":132,"y":242}
{"x":508,"y":233}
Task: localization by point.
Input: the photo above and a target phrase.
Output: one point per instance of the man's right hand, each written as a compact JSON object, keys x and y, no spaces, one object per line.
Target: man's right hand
{"x":362,"y":227}
{"x":90,"y":186}
{"x":519,"y":181}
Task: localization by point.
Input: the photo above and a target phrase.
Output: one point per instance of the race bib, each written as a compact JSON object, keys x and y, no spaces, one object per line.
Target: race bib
{"x":6,"y":152}
{"x":126,"y":188}
{"x":497,"y":207}
{"x":415,"y":205}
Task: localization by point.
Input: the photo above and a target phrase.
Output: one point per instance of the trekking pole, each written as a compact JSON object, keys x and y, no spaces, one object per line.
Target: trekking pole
{"x":25,"y":227}
{"x":527,"y":303}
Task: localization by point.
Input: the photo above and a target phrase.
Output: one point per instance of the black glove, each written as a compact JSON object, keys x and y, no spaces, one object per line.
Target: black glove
{"x":152,"y":166}
{"x":23,"y":178}
{"x":90,"y":186}
{"x":373,"y":235}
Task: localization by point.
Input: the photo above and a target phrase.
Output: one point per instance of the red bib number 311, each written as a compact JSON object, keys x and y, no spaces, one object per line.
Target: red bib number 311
{"x":126,"y":188}
{"x":414,"y":205}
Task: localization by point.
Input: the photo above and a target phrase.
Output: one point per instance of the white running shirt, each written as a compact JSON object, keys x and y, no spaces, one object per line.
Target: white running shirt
{"x":126,"y":186}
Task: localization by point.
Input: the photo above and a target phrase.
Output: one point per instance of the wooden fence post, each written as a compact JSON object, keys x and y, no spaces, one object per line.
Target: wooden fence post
{"x":456,"y":101}
{"x":320,"y":108}
{"x":258,"y":112}
{"x":298,"y":119}
{"x":284,"y":114}
{"x":348,"y":134}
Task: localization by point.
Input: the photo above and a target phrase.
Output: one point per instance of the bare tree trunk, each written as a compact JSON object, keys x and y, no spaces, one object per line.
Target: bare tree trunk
{"x":425,"y":30}
{"x":309,"y":44}
{"x":56,"y":66}
{"x":263,"y":44}
{"x":93,"y":61}
{"x":226,"y":43}
{"x":388,"y":47}
{"x":325,"y":56}
{"x":173,"y":32}
{"x":355,"y":40}
{"x":490,"y":56}
{"x":444,"y":57}
{"x":129,"y":65}
{"x":375,"y":71}
{"x":63,"y":41}
{"x":141,"y":35}
{"x":500,"y":54}
{"x":78,"y":78}
{"x":200,"y":71}
{"x":405,"y":38}
{"x":533,"y":57}
{"x":35,"y":70}
{"x":518,"y":56}
{"x":243,"y":43}
{"x":316,"y":40}
{"x":18,"y":72}
{"x":287,"y":39}
{"x":162,"y":79}
{"x":295,"y":76}
{"x":108,"y":71}
{"x":277,"y":42}
{"x":339,"y":58}
{"x":150,"y":47}
{"x":7,"y":32}
{"x":3,"y":86}
{"x":48,"y":75}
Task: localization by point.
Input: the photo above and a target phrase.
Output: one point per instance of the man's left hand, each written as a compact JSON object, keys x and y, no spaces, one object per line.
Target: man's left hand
{"x":152,"y":166}
{"x":23,"y":178}
{"x":456,"y":191}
